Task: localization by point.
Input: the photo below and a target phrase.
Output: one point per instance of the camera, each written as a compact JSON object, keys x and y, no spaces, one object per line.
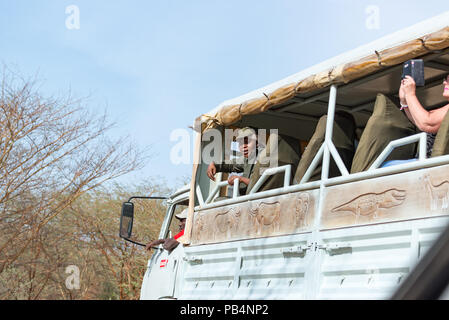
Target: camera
{"x":415,"y":69}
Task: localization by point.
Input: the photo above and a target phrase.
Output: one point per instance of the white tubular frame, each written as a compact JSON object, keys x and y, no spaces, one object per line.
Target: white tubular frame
{"x":287,"y":169}
{"x":235,"y":189}
{"x":199,"y":195}
{"x":215,"y":190}
{"x":421,"y":137}
{"x":218,"y":186}
{"x":327,"y":148}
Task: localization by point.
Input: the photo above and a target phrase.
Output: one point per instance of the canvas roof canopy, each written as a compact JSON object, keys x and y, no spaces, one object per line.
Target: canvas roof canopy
{"x":360,"y":75}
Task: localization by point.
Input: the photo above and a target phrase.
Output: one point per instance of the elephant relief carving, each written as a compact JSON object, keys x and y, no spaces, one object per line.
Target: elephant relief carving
{"x":226,"y":222}
{"x":301,"y":209}
{"x":439,"y":194}
{"x":266,"y":214}
{"x":369,"y":204}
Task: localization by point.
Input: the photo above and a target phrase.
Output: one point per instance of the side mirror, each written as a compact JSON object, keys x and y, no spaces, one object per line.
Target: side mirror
{"x":126,"y":220}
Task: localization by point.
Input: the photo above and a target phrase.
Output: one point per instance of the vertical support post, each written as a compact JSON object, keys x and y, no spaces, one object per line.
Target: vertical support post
{"x":287,"y":175}
{"x":315,"y":239}
{"x":326,"y":155}
{"x":199,"y":195}
{"x":235,"y":189}
{"x":318,"y":158}
{"x":329,"y":131}
{"x":423,"y":146}
{"x":196,"y":160}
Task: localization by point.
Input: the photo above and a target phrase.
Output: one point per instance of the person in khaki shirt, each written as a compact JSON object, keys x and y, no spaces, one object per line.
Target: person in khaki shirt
{"x":286,"y":151}
{"x":247,"y":141}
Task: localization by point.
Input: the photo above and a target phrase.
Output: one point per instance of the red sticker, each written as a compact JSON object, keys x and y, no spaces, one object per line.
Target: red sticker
{"x":164,"y":263}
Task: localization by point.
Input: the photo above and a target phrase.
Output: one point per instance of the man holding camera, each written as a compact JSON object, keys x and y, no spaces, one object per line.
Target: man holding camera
{"x":282,"y":149}
{"x":247,"y":141}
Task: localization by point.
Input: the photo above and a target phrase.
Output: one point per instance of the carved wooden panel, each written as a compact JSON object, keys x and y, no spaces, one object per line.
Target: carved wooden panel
{"x":278,"y":215}
{"x":407,"y":195}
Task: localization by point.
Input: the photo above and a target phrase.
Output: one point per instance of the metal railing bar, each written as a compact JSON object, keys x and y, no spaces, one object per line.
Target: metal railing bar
{"x":400,"y":168}
{"x":271,"y":171}
{"x":215,"y":190}
{"x":421,"y":137}
{"x":235,"y":189}
{"x":316,"y":160}
{"x":341,"y":166}
{"x":199,"y":195}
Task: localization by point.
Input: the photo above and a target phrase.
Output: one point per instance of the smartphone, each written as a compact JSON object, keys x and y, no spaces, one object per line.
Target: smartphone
{"x":415,"y":69}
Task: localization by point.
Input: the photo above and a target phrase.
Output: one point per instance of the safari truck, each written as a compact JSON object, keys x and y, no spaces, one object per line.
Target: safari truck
{"x":352,"y":236}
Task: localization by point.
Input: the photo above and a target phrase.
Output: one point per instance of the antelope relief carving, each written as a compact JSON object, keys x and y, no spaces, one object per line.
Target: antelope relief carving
{"x":301,"y":209}
{"x":266,"y":214}
{"x":199,"y":226}
{"x":226,"y":222}
{"x":369,"y":204}
{"x":439,"y":193}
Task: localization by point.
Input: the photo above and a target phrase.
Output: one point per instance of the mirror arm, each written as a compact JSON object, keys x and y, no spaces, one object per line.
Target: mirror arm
{"x":155,"y":198}
{"x":135,"y":242}
{"x":141,"y":244}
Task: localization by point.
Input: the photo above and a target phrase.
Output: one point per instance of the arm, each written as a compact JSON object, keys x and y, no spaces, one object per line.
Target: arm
{"x":213,"y":168}
{"x":170,"y":244}
{"x":241,"y":179}
{"x":154,"y":243}
{"x":230,"y":167}
{"x":427,"y":121}
{"x":404,"y":102}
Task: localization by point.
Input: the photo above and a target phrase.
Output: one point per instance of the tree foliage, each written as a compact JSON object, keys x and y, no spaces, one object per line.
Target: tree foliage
{"x":54,"y":156}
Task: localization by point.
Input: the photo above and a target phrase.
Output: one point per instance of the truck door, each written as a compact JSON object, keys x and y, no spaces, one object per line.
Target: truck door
{"x":161,"y":275}
{"x":164,"y":266}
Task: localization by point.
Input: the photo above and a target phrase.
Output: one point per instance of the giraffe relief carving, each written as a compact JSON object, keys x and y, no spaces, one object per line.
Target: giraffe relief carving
{"x":301,"y":209}
{"x":439,"y":194}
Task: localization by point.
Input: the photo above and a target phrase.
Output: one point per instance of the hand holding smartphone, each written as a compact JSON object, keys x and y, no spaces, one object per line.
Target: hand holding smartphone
{"x":415,"y":69}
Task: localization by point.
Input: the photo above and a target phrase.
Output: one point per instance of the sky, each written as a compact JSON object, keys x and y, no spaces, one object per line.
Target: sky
{"x":154,"y":66}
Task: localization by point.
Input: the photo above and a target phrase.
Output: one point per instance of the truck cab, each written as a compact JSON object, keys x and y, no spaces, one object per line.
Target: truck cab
{"x":162,"y":276}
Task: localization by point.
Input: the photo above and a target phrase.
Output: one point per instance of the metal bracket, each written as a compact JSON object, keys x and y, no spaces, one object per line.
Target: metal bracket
{"x":193,"y":260}
{"x":329,"y":247}
{"x":296,"y":249}
{"x":332,"y":247}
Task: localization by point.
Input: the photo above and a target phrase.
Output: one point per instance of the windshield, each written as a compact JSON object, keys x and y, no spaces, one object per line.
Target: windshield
{"x":174,"y":223}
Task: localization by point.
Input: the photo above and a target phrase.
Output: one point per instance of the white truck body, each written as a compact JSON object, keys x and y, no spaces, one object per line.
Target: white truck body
{"x":360,"y":254}
{"x":362,"y":262}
